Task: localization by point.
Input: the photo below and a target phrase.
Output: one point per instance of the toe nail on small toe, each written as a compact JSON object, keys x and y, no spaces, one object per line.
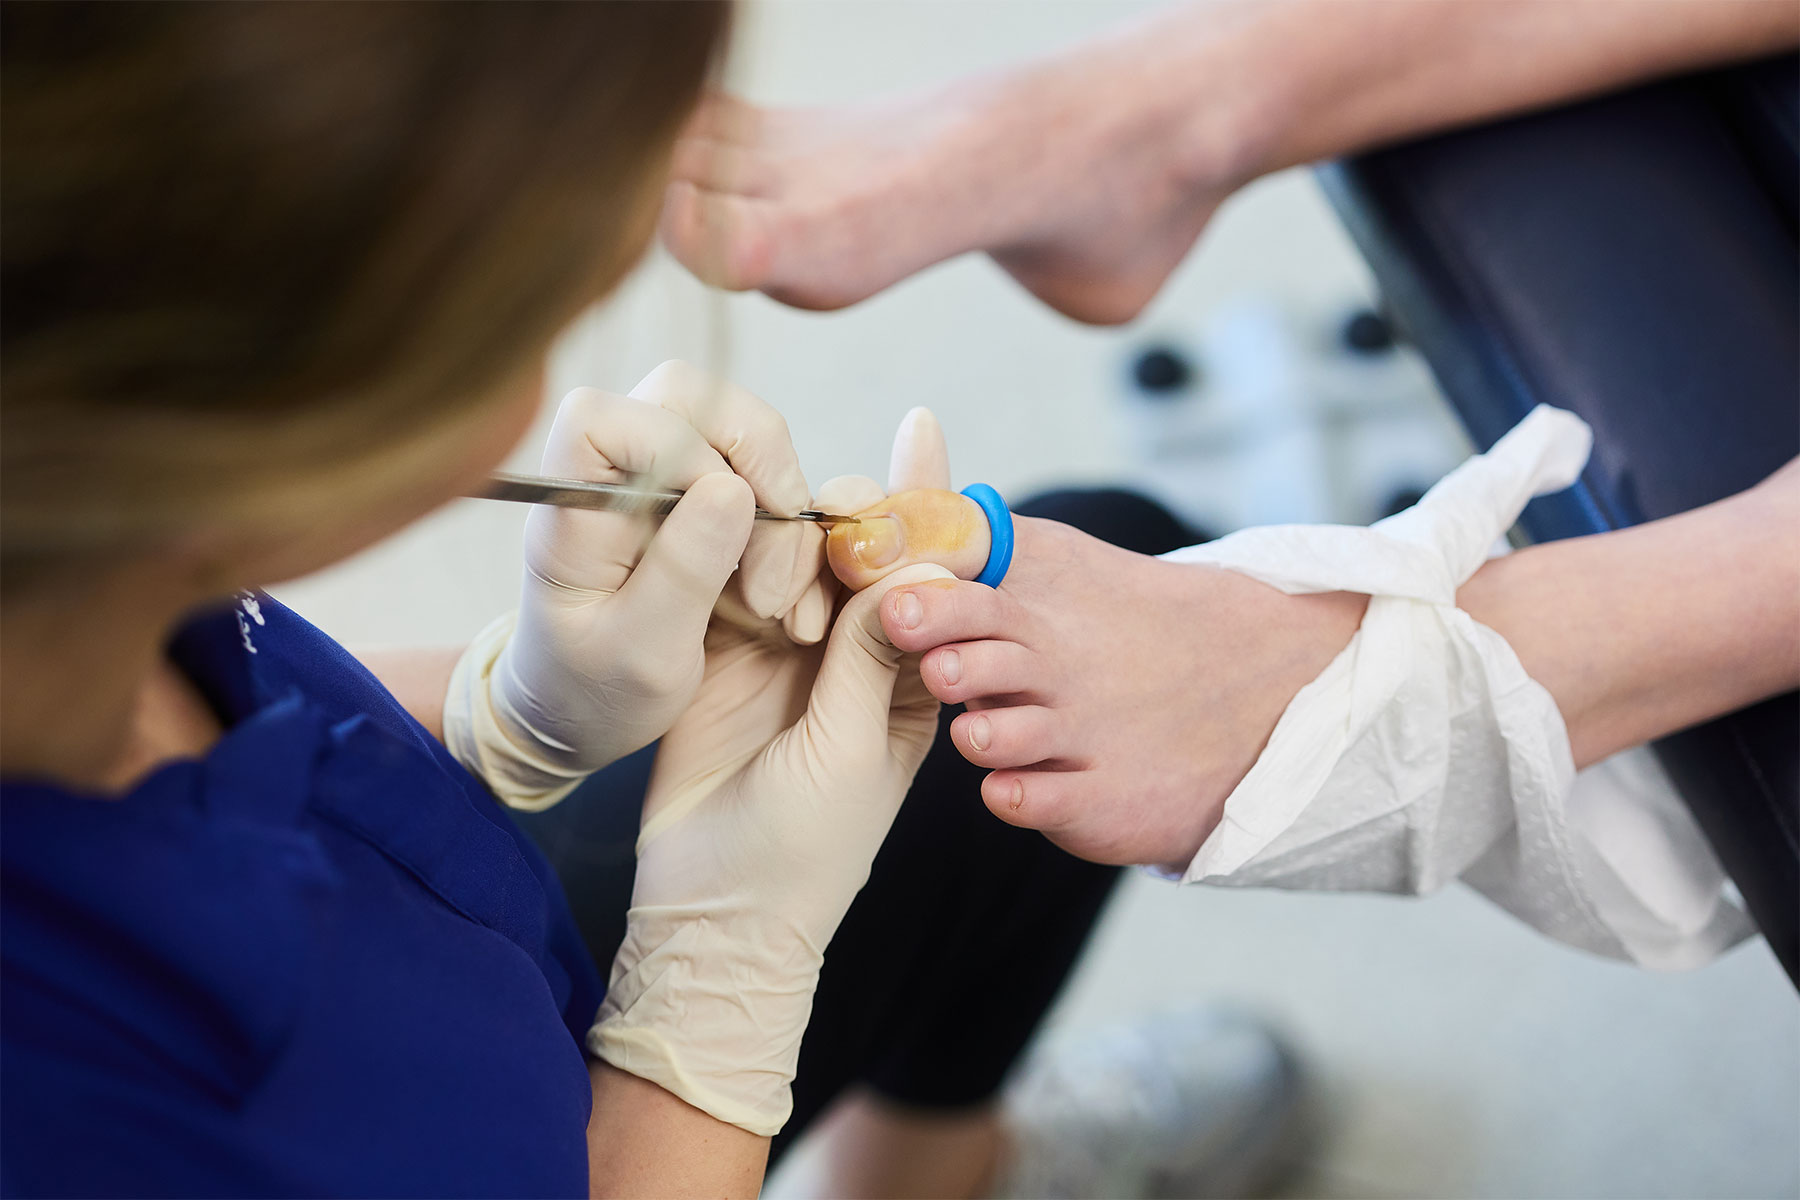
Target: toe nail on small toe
{"x":908,"y":611}
{"x":980,"y":730}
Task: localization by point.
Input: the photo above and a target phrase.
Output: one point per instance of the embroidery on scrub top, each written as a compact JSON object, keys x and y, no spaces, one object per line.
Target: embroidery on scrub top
{"x":248,"y":610}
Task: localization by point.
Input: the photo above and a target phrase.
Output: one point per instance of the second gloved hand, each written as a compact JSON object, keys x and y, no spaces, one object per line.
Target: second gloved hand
{"x":768,"y":801}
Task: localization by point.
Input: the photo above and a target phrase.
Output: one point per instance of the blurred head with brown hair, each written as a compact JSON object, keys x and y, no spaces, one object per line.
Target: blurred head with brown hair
{"x":272,"y":267}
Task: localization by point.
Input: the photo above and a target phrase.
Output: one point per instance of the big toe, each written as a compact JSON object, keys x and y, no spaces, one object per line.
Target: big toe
{"x":926,"y":525}
{"x":724,"y":239}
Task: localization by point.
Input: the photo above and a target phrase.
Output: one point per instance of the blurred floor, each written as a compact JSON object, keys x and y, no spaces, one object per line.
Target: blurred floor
{"x":1461,"y":1055}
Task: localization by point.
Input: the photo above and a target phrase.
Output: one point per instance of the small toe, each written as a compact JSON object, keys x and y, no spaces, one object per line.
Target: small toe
{"x":951,"y":610}
{"x":1032,"y":799}
{"x":967,"y":671}
{"x":1008,"y":737}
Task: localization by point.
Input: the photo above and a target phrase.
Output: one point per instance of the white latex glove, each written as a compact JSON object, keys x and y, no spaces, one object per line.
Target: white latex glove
{"x":768,"y":801}
{"x":605,"y":649}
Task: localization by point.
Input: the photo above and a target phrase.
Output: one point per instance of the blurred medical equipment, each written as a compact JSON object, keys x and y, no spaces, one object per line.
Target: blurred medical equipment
{"x":1632,"y":259}
{"x":1267,"y":414}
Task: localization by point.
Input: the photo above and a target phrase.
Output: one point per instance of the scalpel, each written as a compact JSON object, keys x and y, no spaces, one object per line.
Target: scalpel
{"x":614,"y":497}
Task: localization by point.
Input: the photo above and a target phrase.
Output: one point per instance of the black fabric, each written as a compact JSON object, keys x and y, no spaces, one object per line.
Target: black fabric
{"x":1632,"y":259}
{"x":1761,"y":104}
{"x":963,"y":935}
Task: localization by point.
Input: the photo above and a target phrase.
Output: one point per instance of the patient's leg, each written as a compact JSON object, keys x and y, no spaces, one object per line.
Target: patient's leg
{"x":1087,"y":176}
{"x":1120,"y":699}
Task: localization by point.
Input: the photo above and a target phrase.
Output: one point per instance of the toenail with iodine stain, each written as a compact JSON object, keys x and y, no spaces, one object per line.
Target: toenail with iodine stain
{"x":908,"y":611}
{"x":980,"y":733}
{"x":875,"y":542}
{"x":924,"y":525}
{"x":950,"y":666}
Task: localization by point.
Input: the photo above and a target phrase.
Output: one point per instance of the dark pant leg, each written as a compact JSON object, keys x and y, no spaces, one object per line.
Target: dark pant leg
{"x":953,"y":951}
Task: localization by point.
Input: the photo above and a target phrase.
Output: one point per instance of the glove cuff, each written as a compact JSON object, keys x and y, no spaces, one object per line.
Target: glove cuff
{"x":519,"y":776}
{"x":703,"y":1006}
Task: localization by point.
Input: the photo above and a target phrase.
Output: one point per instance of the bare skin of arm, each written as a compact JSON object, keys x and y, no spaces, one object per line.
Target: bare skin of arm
{"x":1089,"y":174}
{"x":642,"y":1141}
{"x":418,"y":676}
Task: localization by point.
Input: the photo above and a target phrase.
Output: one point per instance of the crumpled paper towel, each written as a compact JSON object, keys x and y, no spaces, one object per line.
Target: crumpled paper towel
{"x":1424,"y":753}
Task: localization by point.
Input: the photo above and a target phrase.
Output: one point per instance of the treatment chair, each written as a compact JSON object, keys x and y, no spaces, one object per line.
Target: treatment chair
{"x":1632,"y":259}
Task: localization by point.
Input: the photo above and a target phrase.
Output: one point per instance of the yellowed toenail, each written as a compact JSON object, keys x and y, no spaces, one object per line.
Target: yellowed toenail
{"x":908,"y":611}
{"x":1018,"y":794}
{"x":950,"y":666}
{"x":980,"y":730}
{"x":876,"y":541}
{"x":923,"y":525}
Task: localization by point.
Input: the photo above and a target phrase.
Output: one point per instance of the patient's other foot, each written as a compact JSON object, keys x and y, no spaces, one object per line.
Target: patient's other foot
{"x":1087,"y":176}
{"x":1118,"y":698}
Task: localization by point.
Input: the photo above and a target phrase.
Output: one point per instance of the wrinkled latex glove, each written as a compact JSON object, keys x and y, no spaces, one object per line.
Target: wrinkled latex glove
{"x":768,"y":801}
{"x":605,"y":649}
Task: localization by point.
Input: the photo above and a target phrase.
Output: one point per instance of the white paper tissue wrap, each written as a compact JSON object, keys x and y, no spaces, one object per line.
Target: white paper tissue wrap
{"x":1424,"y":753}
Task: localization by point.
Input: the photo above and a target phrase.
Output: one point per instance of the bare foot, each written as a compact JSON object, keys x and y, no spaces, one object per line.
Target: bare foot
{"x":1119,"y":698}
{"x":1087,"y":176}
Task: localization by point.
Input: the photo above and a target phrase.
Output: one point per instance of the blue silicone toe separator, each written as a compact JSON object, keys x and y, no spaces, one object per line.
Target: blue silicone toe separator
{"x":1000,"y":531}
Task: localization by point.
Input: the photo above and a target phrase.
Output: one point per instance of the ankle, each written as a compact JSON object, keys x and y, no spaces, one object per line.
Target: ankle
{"x":1192,"y":95}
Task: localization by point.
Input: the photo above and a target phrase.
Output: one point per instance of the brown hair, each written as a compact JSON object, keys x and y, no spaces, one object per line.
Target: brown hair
{"x":253,"y":251}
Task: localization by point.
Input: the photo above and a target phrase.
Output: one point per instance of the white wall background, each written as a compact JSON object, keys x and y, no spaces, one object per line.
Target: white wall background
{"x":1462,"y":1056}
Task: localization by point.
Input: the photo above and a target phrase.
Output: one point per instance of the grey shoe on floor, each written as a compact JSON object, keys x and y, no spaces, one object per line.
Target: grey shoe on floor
{"x":1203,"y":1102}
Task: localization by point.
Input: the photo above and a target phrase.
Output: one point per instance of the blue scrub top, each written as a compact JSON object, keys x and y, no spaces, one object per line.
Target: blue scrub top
{"x":319,"y":961}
